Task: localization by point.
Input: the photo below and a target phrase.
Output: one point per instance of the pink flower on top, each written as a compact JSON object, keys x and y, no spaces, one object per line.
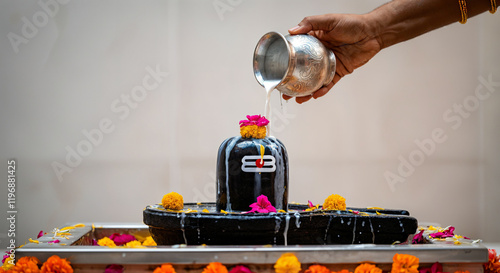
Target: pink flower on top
{"x":254,"y":120}
{"x":40,"y":234}
{"x":262,"y":205}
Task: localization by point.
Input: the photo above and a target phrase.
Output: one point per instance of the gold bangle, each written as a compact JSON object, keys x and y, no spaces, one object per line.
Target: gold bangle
{"x":463,"y":10}
{"x":493,"y":6}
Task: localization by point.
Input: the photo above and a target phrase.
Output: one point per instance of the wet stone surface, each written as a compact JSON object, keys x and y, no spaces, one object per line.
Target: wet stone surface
{"x":191,"y":226}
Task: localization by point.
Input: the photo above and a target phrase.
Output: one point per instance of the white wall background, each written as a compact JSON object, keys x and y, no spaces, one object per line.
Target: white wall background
{"x":82,"y":60}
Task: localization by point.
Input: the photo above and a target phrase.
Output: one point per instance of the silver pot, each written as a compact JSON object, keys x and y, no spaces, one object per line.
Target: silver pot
{"x":300,"y":63}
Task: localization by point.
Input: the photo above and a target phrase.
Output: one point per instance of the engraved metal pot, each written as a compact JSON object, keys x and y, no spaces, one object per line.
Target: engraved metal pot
{"x":300,"y":63}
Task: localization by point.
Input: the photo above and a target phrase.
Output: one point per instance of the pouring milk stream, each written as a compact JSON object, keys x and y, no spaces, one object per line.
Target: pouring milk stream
{"x":296,"y":65}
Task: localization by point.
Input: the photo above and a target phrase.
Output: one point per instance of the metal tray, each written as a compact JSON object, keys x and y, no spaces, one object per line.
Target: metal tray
{"x":79,"y":251}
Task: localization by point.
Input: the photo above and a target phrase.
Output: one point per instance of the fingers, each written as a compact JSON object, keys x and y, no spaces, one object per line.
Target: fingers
{"x":301,"y":100}
{"x":322,"y":91}
{"x":319,"y":93}
{"x":317,"y":22}
{"x":300,"y":29}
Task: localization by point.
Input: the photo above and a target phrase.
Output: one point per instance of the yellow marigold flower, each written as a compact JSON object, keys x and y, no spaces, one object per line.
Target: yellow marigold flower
{"x":149,"y":241}
{"x":26,"y":264}
{"x":404,"y":263}
{"x":287,"y":263}
{"x":106,"y":241}
{"x":133,"y":244}
{"x":172,"y":201}
{"x":165,"y":268}
{"x":55,"y":264}
{"x":253,"y":131}
{"x":8,"y":264}
{"x":205,"y":211}
{"x":334,"y":202}
{"x":317,"y":269}
{"x":215,"y":267}
{"x":367,"y":268}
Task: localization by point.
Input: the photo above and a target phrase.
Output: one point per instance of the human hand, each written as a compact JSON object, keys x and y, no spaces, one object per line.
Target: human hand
{"x":351,"y":38}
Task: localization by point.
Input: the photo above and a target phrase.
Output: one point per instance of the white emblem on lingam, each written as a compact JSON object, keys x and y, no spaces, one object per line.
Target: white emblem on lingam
{"x":250,"y":164}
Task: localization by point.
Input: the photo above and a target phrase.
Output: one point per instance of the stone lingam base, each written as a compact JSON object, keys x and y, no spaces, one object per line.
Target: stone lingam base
{"x":191,"y":226}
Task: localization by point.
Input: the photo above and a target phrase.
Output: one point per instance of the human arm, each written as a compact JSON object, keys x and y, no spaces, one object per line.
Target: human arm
{"x":355,"y":39}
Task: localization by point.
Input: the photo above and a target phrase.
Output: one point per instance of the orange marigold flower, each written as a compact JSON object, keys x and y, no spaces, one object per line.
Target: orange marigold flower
{"x":493,"y":264}
{"x":404,"y":263}
{"x":287,"y":263}
{"x":172,"y":201}
{"x":165,"y":268}
{"x":106,"y":241}
{"x":334,"y":202}
{"x":253,"y":131}
{"x":149,"y":241}
{"x":343,"y":271}
{"x":367,"y":268}
{"x":317,"y":269}
{"x":215,"y":267}
{"x":55,"y":264}
{"x":26,"y":264}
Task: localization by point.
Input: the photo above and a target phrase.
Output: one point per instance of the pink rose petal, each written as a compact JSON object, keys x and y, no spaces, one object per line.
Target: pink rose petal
{"x":262,"y":205}
{"x":240,"y":269}
{"x":121,"y":239}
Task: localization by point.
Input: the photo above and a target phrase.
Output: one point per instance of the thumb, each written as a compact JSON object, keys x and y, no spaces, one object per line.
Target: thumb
{"x":317,"y":22}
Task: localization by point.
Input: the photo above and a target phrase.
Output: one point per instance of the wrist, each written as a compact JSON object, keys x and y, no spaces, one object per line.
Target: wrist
{"x":378,"y":23}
